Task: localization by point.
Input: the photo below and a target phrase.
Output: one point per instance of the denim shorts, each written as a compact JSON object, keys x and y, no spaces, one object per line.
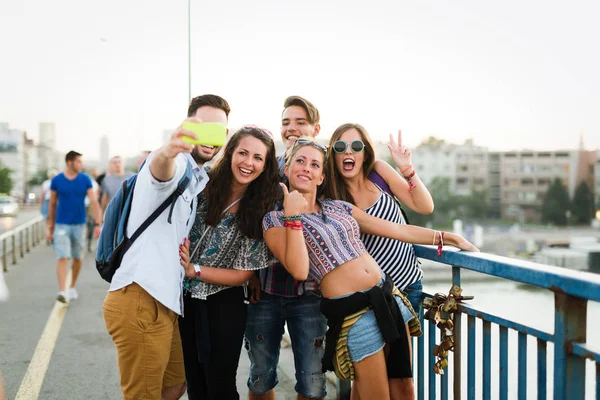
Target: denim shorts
{"x":364,"y":337}
{"x":264,"y":330}
{"x":68,"y":240}
{"x":414,"y":294}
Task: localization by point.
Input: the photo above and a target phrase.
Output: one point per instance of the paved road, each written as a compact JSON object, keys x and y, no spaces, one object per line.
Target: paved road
{"x":83,"y":362}
{"x":24,"y":215}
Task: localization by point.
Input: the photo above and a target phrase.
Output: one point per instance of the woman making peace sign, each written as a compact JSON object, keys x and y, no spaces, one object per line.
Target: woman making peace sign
{"x":356,"y":176}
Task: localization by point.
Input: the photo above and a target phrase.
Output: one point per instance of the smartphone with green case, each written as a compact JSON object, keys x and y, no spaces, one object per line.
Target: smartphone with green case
{"x":209,"y":133}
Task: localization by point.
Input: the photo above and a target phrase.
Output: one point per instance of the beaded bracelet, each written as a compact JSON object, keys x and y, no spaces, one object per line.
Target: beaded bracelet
{"x":295,"y":225}
{"x":296,"y":217}
{"x":411,"y":185}
{"x":408,"y":178}
{"x":440,"y":244}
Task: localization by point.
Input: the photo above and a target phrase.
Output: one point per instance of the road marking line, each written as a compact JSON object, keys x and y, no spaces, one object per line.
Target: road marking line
{"x":36,"y":371}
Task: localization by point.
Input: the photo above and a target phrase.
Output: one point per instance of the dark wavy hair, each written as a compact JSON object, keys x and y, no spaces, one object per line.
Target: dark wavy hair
{"x":261,"y":194}
{"x":335,"y":186}
{"x":210,"y":100}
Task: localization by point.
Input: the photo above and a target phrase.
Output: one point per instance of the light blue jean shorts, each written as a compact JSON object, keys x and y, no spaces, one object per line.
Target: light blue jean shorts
{"x":364,"y":337}
{"x":68,"y":240}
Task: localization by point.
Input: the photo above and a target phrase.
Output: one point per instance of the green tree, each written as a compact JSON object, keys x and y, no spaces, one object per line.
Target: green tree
{"x":446,"y":205}
{"x":474,"y":206}
{"x":6,"y":182}
{"x":556,"y":203}
{"x":583,"y":204}
{"x":38,"y":178}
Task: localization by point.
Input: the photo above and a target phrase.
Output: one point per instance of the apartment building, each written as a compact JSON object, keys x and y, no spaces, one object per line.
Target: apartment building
{"x":471,"y":168}
{"x":519,"y":180}
{"x":435,"y":159}
{"x":12,"y":155}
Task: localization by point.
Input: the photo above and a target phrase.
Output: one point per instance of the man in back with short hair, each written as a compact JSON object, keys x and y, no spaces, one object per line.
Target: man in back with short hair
{"x":281,"y":299}
{"x":67,"y":220}
{"x":113,"y":181}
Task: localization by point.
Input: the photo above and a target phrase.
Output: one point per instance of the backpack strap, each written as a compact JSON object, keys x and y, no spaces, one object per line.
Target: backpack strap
{"x":181,"y":186}
{"x":169,"y":201}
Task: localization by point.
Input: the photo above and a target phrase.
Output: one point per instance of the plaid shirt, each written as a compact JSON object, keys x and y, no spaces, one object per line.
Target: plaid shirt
{"x":275,"y":279}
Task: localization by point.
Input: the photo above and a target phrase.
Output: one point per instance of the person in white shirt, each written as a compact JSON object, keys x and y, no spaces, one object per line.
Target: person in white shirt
{"x":145,"y":295}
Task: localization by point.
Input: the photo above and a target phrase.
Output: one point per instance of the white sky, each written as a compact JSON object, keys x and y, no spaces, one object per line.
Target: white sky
{"x":511,"y":74}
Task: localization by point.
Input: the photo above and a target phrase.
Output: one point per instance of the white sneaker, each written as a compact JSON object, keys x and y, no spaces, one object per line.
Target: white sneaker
{"x":73,"y":294}
{"x":62,"y":297}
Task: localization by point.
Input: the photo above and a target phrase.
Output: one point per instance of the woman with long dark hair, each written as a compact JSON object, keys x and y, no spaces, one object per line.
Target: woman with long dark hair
{"x":226,"y":246}
{"x":369,"y":319}
{"x":356,"y":176}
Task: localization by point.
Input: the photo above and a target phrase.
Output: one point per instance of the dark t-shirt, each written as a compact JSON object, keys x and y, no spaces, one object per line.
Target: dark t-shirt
{"x":71,"y":198}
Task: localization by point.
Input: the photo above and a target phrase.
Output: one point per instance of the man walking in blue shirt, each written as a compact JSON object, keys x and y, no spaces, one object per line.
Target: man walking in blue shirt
{"x":67,"y":220}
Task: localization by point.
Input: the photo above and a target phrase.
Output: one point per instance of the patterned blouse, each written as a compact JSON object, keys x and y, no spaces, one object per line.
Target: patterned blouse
{"x":332,"y":236}
{"x":224,"y":246}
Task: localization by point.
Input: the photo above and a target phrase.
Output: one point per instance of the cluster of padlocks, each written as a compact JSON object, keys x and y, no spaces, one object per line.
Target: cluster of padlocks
{"x":440,"y":310}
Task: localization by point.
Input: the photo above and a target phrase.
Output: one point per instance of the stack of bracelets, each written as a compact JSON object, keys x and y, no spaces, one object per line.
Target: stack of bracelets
{"x":440,"y":243}
{"x":293,"y":221}
{"x":189,"y":283}
{"x":411,"y":184}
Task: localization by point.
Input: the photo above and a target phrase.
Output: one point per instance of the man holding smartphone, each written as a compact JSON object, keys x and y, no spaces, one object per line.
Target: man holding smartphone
{"x":145,"y":297}
{"x":278,"y":298}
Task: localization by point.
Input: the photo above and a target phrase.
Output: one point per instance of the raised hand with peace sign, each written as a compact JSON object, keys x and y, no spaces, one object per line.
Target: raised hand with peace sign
{"x":401,"y":155}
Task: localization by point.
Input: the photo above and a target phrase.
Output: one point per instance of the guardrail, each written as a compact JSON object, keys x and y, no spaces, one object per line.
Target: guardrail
{"x":21,"y":239}
{"x":572,"y":290}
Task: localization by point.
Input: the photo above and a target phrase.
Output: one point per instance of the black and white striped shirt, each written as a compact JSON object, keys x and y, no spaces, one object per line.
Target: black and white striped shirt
{"x":397,"y":259}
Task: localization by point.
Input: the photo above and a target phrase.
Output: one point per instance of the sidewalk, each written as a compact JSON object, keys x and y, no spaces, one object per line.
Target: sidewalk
{"x":83,"y":360}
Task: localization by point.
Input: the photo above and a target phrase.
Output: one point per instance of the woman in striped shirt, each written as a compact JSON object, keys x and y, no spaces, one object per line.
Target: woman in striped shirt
{"x":355,"y":176}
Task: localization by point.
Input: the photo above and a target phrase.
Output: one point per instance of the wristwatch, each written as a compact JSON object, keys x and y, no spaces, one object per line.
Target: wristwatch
{"x":198,"y":270}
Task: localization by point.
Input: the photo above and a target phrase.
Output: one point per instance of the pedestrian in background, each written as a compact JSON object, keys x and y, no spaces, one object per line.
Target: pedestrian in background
{"x":67,"y":218}
{"x":113,"y":181}
{"x":45,"y":193}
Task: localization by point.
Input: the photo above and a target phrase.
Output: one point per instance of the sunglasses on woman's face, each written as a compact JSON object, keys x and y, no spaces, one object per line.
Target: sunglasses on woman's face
{"x":310,"y":142}
{"x":356,"y":146}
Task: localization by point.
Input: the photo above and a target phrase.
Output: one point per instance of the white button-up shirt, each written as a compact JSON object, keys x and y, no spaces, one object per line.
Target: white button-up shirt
{"x":153,"y":260}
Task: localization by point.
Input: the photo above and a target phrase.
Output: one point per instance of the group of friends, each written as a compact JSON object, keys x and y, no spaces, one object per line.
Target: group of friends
{"x":314,"y":239}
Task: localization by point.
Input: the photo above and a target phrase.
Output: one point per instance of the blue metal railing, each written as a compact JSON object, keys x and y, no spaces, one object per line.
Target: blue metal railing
{"x":572,"y":291}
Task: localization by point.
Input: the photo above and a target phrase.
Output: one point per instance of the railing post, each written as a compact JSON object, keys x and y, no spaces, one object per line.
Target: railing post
{"x":14,"y":248}
{"x":4,"y":267}
{"x":27,"y":238}
{"x":457,"y":340}
{"x":21,"y":244}
{"x":570,"y":326}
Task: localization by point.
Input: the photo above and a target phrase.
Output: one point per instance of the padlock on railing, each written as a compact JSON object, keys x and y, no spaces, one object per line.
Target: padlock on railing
{"x":440,"y":310}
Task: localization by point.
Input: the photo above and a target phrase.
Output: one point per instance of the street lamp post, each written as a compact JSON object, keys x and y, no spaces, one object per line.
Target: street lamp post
{"x":189,"y":53}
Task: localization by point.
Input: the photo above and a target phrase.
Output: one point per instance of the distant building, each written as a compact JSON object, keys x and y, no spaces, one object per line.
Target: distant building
{"x":31,"y":162}
{"x":471,"y":168}
{"x":436,"y":158}
{"x":47,"y":155}
{"x":12,"y":155}
{"x":47,"y":134}
{"x":519,"y":180}
{"x":104,"y":151}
